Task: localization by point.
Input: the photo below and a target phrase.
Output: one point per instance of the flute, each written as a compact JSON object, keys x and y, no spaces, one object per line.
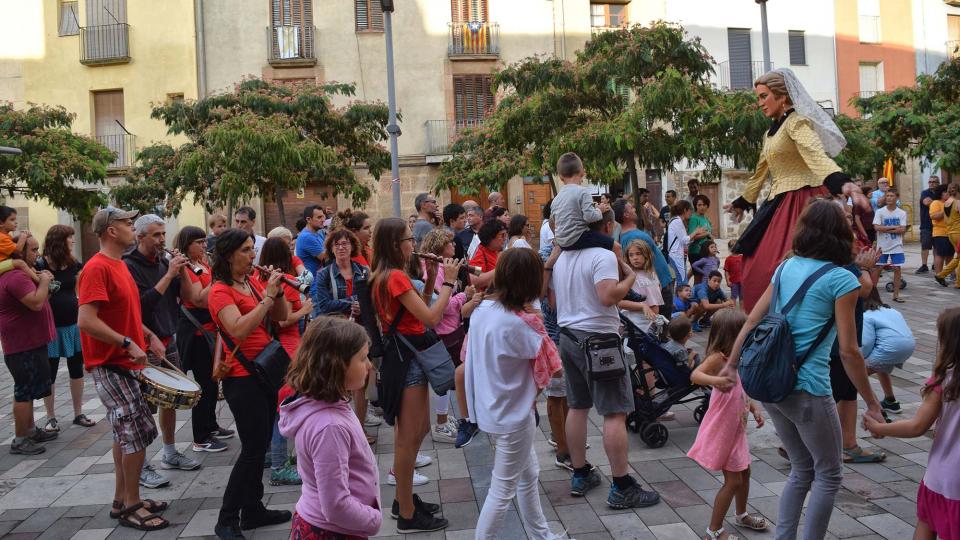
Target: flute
{"x":302,"y":288}
{"x":475,"y":270}
{"x":195,"y":268}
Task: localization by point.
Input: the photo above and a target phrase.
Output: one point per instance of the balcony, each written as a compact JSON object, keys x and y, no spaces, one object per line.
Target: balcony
{"x":441,"y":134}
{"x":866,"y":94}
{"x":473,"y":40}
{"x":105,"y":44}
{"x":953,"y":48}
{"x":595,"y":30}
{"x":738,"y":75}
{"x":123,"y":145}
{"x":291,"y":45}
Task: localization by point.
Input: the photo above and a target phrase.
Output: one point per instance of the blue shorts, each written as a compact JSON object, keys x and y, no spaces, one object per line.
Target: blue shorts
{"x":415,"y":374}
{"x":892,"y":259}
{"x":735,"y":293}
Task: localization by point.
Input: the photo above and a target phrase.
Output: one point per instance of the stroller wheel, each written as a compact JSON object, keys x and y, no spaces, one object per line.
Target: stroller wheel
{"x":699,"y":412}
{"x":903,"y":285}
{"x":655,"y":435}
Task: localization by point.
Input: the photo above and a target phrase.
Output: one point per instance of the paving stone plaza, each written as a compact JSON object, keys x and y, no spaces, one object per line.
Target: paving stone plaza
{"x":65,"y":493}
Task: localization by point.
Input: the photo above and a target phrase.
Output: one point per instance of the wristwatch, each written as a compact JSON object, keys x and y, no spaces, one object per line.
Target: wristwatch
{"x":126,"y":342}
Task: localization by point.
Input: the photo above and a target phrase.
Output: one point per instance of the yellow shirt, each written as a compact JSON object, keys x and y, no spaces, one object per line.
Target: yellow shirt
{"x":794,"y":157}
{"x":939,"y":225}
{"x":953,"y":220}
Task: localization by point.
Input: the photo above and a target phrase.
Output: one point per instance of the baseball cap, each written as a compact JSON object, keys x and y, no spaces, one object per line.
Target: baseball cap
{"x":103,"y":218}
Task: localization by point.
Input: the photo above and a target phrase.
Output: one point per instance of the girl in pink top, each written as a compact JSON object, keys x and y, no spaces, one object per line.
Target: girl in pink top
{"x":938,"y":499}
{"x":340,"y":496}
{"x":721,"y":443}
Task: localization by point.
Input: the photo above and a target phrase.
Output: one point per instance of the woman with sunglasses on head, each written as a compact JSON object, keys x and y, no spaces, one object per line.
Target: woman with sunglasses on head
{"x":241,"y":307}
{"x":404,"y":392}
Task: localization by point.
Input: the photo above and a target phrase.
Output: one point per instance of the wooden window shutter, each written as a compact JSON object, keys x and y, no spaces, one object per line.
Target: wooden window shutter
{"x":469,"y":11}
{"x":473,"y":99}
{"x":376,"y":15}
{"x":798,"y":49}
{"x":306,"y":26}
{"x":369,"y":14}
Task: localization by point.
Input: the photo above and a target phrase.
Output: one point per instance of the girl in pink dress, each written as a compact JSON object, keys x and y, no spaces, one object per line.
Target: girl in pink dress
{"x":938,"y":499}
{"x":721,"y":443}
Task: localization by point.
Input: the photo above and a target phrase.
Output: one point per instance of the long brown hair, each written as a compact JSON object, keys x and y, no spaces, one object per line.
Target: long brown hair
{"x":948,"y":357}
{"x":823,"y":233}
{"x":387,"y":255}
{"x":323,"y":357}
{"x":55,"y":246}
{"x":725,"y":325}
{"x":518,"y":278}
{"x":276,"y":252}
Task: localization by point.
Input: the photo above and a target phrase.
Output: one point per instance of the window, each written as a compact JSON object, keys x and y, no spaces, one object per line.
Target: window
{"x":741,"y":61}
{"x":472,"y":99}
{"x":108,"y":126}
{"x":798,"y":48}
{"x":369,"y":15}
{"x":608,"y":15}
{"x":106,"y":12}
{"x":468,"y":11}
{"x":175,"y":97}
{"x":871,"y":78}
{"x":69,"y":22}
{"x":868,"y":12}
{"x":291,"y":29}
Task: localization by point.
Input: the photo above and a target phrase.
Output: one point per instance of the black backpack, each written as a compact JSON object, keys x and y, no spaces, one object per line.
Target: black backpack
{"x":768,"y":359}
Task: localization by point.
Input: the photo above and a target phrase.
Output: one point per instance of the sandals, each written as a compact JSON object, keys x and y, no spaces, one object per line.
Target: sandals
{"x":899,"y":300}
{"x":152,"y":506}
{"x":52,"y":426}
{"x":859,"y":455}
{"x":718,"y":534}
{"x":129,"y":518}
{"x":752,"y":521}
{"x":83,"y":421}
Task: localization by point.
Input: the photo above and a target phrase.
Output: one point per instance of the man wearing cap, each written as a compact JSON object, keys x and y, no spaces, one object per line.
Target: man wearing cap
{"x":113,"y":339}
{"x":160,"y":284}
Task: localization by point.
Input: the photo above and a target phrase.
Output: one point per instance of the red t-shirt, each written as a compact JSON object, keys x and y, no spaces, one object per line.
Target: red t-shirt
{"x":109,"y":283}
{"x":297,"y":263}
{"x":397,"y":284}
{"x":484,"y":258}
{"x":222,"y":295}
{"x":732,"y":266}
{"x":289,"y":336}
{"x":365,"y":256}
{"x":204,"y":280}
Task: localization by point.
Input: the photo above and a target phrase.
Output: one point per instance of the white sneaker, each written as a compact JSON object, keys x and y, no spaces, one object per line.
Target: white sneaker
{"x":444,"y":433}
{"x":418,"y":479}
{"x":423,"y":461}
{"x":372,"y":420}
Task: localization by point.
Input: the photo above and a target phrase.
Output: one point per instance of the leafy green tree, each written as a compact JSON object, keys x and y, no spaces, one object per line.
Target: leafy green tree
{"x":258,"y":141}
{"x":639,"y":95}
{"x":57,"y":165}
{"x":862,"y":157}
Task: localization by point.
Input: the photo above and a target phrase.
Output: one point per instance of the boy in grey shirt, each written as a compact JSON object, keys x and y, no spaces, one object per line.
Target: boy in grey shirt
{"x":572,"y":210}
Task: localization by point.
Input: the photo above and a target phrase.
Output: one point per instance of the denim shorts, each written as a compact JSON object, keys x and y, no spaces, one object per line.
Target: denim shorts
{"x":415,"y":374}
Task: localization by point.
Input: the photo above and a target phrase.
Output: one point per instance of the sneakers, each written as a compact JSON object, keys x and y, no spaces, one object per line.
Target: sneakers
{"x":42,"y":435}
{"x":552,"y":442}
{"x":372,"y":420}
{"x":228,"y":532}
{"x":179,"y":461}
{"x":209,"y":445}
{"x":422,"y":461}
{"x":420,"y":522}
{"x":697,"y":327}
{"x":466,"y":431}
{"x":222,"y":433}
{"x":444,"y":433}
{"x":891,"y":405}
{"x":563,"y":461}
{"x":418,"y":479}
{"x":26,"y":447}
{"x":267,"y":518}
{"x":923,"y":269}
{"x":150,"y":478}
{"x":418,"y":504}
{"x":632,"y":497}
{"x":286,"y":476}
{"x":941,"y":281}
{"x":580,"y":485}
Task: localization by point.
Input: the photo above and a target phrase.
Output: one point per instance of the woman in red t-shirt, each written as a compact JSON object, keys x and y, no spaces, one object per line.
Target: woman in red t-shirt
{"x":404,"y":393}
{"x":195,"y":345}
{"x":296,"y":266}
{"x":239,"y":307}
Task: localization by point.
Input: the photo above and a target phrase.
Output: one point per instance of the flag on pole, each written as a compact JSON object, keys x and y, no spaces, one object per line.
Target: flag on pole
{"x":888,"y":171}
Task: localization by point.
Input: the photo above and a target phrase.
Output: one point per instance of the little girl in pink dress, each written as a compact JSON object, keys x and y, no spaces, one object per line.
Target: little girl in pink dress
{"x":721,"y":443}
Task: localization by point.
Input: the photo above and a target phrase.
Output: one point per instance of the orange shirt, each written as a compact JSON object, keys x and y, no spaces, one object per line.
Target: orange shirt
{"x":7,"y":246}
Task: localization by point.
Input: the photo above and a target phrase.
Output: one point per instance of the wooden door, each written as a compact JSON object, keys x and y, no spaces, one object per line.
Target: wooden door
{"x":535,"y":197}
{"x":89,"y":243}
{"x":293,"y":204}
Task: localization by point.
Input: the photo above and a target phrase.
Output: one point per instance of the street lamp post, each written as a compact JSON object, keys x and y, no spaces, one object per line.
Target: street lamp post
{"x":765,"y":33}
{"x":392,"y":128}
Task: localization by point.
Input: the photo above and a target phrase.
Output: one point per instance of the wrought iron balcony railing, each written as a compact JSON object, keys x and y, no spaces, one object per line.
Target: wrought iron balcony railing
{"x":105,"y":44}
{"x":473,"y":38}
{"x":441,"y":134}
{"x":123,"y":145}
{"x":737,"y":75}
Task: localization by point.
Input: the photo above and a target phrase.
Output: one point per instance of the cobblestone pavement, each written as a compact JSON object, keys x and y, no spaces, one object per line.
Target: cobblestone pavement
{"x":65,"y":493}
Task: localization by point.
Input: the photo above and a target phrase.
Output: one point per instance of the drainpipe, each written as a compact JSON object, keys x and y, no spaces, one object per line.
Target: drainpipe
{"x":201,"y":49}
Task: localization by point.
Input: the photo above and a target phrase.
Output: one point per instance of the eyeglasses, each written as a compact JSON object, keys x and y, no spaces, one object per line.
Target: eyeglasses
{"x":341,"y":245}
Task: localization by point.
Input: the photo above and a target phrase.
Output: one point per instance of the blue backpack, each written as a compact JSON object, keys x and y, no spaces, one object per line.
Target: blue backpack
{"x":768,"y":359}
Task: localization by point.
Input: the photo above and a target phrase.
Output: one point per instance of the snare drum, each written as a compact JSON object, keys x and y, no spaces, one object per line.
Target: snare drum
{"x":169,"y":389}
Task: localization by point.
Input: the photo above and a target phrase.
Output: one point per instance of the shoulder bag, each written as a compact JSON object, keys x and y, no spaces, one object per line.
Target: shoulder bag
{"x":435,"y":361}
{"x":270,"y":365}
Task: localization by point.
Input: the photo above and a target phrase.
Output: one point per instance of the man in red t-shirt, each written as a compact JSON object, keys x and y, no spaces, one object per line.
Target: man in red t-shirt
{"x":113,"y":339}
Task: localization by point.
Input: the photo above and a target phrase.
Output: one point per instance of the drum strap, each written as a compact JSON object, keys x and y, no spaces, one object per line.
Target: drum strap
{"x":193,"y":320}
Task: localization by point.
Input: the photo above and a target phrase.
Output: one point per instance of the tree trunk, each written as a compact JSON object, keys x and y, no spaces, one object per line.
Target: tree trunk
{"x":634,"y":182}
{"x":553,"y":185}
{"x":279,"y":200}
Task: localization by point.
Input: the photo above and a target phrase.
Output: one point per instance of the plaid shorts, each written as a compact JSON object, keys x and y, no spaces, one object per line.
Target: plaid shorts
{"x":127,"y":411}
{"x":172,"y":355}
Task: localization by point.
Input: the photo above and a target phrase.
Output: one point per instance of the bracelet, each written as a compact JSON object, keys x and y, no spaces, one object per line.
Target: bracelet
{"x":448,"y":284}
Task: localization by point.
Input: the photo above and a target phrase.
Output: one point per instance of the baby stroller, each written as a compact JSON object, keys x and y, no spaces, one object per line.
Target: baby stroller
{"x":672,"y":386}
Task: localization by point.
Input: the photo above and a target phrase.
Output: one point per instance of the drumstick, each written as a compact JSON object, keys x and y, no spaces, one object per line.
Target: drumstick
{"x":173,"y":367}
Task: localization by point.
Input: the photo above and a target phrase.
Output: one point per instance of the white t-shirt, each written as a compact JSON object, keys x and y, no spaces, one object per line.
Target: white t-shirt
{"x":519,"y":243}
{"x":546,"y":234}
{"x":499,"y":369}
{"x":677,"y":238}
{"x":574,"y":282}
{"x":474,"y":244}
{"x":257,"y":246}
{"x":890,"y":242}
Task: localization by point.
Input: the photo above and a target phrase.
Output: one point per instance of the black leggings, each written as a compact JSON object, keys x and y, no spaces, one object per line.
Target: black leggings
{"x":195,"y":356}
{"x":253,"y":410}
{"x":74,"y":367}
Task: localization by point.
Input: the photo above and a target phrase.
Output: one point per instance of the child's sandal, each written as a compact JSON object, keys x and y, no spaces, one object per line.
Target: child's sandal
{"x":718,"y":534}
{"x":752,"y":521}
